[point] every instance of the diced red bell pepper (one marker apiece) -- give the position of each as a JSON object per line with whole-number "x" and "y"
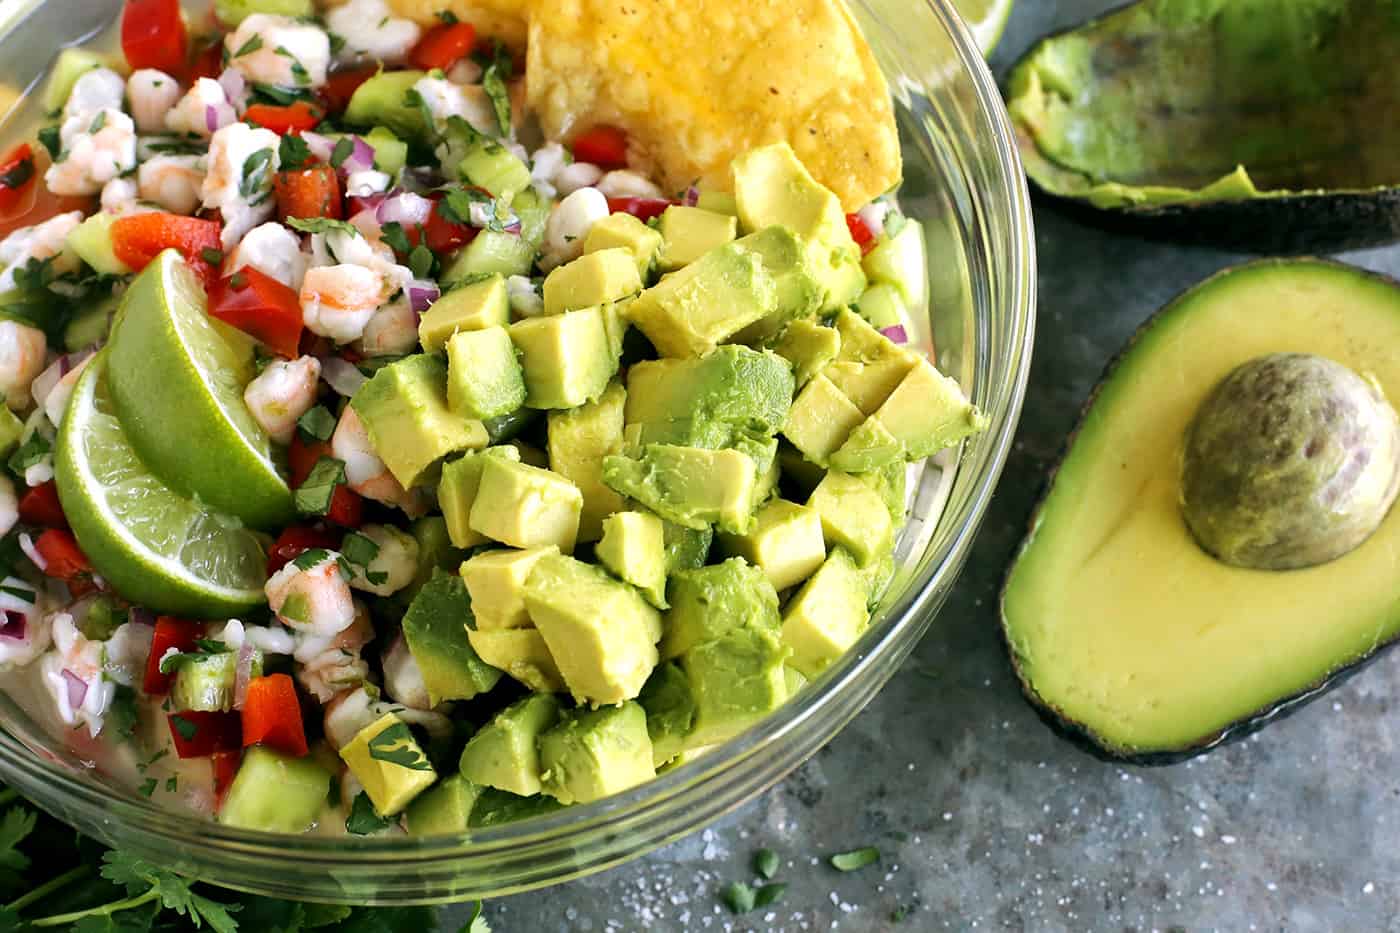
{"x": 296, "y": 540}
{"x": 643, "y": 209}
{"x": 208, "y": 61}
{"x": 63, "y": 559}
{"x": 200, "y": 733}
{"x": 154, "y": 36}
{"x": 443, "y": 46}
{"x": 261, "y": 306}
{"x": 443, "y": 235}
{"x": 170, "y": 633}
{"x": 40, "y": 506}
{"x": 861, "y": 233}
{"x": 16, "y": 175}
{"x": 308, "y": 192}
{"x": 605, "y": 146}
{"x": 272, "y": 715}
{"x": 342, "y": 85}
{"x": 225, "y": 765}
{"x": 347, "y": 506}
{"x": 139, "y": 238}
{"x": 298, "y": 115}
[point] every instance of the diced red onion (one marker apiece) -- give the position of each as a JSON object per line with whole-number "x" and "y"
{"x": 320, "y": 146}
{"x": 234, "y": 85}
{"x": 341, "y": 375}
{"x": 361, "y": 158}
{"x": 26, "y": 544}
{"x": 77, "y": 689}
{"x": 513, "y": 227}
{"x": 404, "y": 207}
{"x": 243, "y": 672}
{"x": 15, "y": 625}
{"x": 44, "y": 382}
{"x": 895, "y": 334}
{"x": 211, "y": 118}
{"x": 71, "y": 361}
{"x": 141, "y": 616}
{"x": 422, "y": 294}
{"x": 692, "y": 196}
{"x": 370, "y": 203}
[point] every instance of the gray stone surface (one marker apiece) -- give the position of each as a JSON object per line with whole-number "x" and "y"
{"x": 985, "y": 819}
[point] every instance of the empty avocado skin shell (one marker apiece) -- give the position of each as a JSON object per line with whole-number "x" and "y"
{"x": 1079, "y": 734}
{"x": 1120, "y": 121}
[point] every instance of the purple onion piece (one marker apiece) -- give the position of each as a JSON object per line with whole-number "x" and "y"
{"x": 77, "y": 689}
{"x": 692, "y": 196}
{"x": 319, "y": 146}
{"x": 421, "y": 295}
{"x": 234, "y": 85}
{"x": 211, "y": 118}
{"x": 361, "y": 158}
{"x": 513, "y": 228}
{"x": 15, "y": 626}
{"x": 242, "y": 673}
{"x": 404, "y": 207}
{"x": 895, "y": 334}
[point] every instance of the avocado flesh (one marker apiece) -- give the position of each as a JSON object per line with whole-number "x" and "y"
{"x": 1121, "y": 627}
{"x": 1171, "y": 103}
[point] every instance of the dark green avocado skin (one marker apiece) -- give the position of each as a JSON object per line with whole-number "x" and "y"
{"x": 1074, "y": 732}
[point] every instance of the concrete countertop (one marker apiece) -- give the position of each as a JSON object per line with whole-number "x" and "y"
{"x": 984, "y": 818}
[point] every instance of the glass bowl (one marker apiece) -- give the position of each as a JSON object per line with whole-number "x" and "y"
{"x": 964, "y": 181}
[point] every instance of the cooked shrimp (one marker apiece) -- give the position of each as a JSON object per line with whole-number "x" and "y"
{"x": 151, "y": 94}
{"x": 56, "y": 402}
{"x": 172, "y": 181}
{"x": 274, "y": 251}
{"x": 125, "y": 653}
{"x": 327, "y": 666}
{"x": 394, "y": 565}
{"x": 350, "y": 711}
{"x": 621, "y": 183}
{"x": 204, "y": 110}
{"x": 393, "y": 330}
{"x": 314, "y": 600}
{"x": 371, "y": 33}
{"x": 524, "y": 296}
{"x": 365, "y": 473}
{"x": 338, "y": 301}
{"x": 576, "y": 175}
{"x": 281, "y": 394}
{"x": 22, "y": 357}
{"x": 95, "y": 90}
{"x": 468, "y": 101}
{"x": 73, "y": 675}
{"x": 99, "y": 148}
{"x": 403, "y": 678}
{"x": 569, "y": 223}
{"x": 238, "y": 178}
{"x": 277, "y": 50}
{"x": 24, "y": 634}
{"x": 47, "y": 240}
{"x": 119, "y": 195}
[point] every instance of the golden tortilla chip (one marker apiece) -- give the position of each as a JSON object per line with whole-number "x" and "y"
{"x": 498, "y": 19}
{"x": 697, "y": 82}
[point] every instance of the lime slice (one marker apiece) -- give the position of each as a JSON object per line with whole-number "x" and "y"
{"x": 986, "y": 19}
{"x": 177, "y": 383}
{"x": 157, "y": 547}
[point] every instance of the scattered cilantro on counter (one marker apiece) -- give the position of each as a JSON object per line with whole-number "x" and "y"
{"x": 855, "y": 859}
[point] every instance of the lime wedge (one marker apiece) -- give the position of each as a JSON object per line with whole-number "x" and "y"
{"x": 986, "y": 19}
{"x": 177, "y": 384}
{"x": 158, "y": 548}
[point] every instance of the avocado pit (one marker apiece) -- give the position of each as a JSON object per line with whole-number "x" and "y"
{"x": 1292, "y": 461}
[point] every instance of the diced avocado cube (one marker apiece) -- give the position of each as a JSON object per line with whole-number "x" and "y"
{"x": 689, "y": 485}
{"x": 869, "y": 366}
{"x": 925, "y": 413}
{"x": 633, "y": 547}
{"x": 596, "y": 278}
{"x": 795, "y": 679}
{"x": 709, "y": 601}
{"x": 688, "y": 233}
{"x": 890, "y": 481}
{"x": 404, "y": 409}
{"x": 92, "y": 241}
{"x": 521, "y": 653}
{"x": 207, "y": 683}
{"x": 733, "y": 385}
{"x": 877, "y": 577}
{"x": 457, "y": 493}
{"x": 504, "y": 753}
{"x": 444, "y": 810}
{"x": 601, "y": 632}
{"x": 820, "y": 420}
{"x": 853, "y": 516}
{"x": 592, "y": 754}
{"x": 579, "y": 439}
{"x": 275, "y": 792}
{"x": 686, "y": 548}
{"x": 232, "y": 12}
{"x": 736, "y": 680}
{"x": 882, "y": 306}
{"x": 483, "y": 376}
{"x": 495, "y": 581}
{"x": 670, "y": 709}
{"x": 623, "y": 231}
{"x": 567, "y": 358}
{"x": 498, "y": 807}
{"x": 899, "y": 261}
{"x": 809, "y": 347}
{"x": 387, "y": 760}
{"x": 492, "y": 252}
{"x": 615, "y": 323}
{"x": 476, "y": 306}
{"x": 827, "y": 615}
{"x": 11, "y": 430}
{"x": 71, "y": 65}
{"x": 525, "y": 506}
{"x": 702, "y": 305}
{"x": 381, "y": 101}
{"x": 785, "y": 542}
{"x": 491, "y": 166}
{"x": 435, "y": 552}
{"x": 436, "y": 631}
{"x": 721, "y": 202}
{"x": 786, "y": 258}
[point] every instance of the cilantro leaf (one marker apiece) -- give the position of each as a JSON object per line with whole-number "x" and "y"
{"x": 456, "y": 204}
{"x": 255, "y": 175}
{"x": 313, "y": 497}
{"x": 738, "y": 897}
{"x": 122, "y": 715}
{"x": 765, "y": 863}
{"x": 249, "y": 47}
{"x": 358, "y": 549}
{"x": 447, "y": 16}
{"x": 396, "y": 746}
{"x": 420, "y": 262}
{"x": 310, "y": 558}
{"x": 317, "y": 424}
{"x": 344, "y": 148}
{"x": 855, "y": 859}
{"x": 768, "y": 894}
{"x": 322, "y": 225}
{"x": 364, "y": 820}
{"x": 15, "y": 826}
{"x": 50, "y": 139}
{"x": 495, "y": 87}
{"x": 187, "y": 729}
{"x": 293, "y": 151}
{"x": 477, "y": 923}
{"x": 174, "y": 892}
{"x": 36, "y": 448}
{"x": 393, "y": 234}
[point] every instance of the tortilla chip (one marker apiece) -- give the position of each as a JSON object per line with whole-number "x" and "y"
{"x": 498, "y": 19}
{"x": 697, "y": 82}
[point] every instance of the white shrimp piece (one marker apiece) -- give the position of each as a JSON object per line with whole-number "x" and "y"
{"x": 365, "y": 473}
{"x": 47, "y": 240}
{"x": 24, "y": 634}
{"x": 56, "y": 402}
{"x": 125, "y": 657}
{"x": 349, "y": 712}
{"x": 393, "y": 330}
{"x": 172, "y": 181}
{"x": 569, "y": 223}
{"x": 315, "y": 600}
{"x": 22, "y": 357}
{"x": 73, "y": 675}
{"x": 576, "y": 175}
{"x": 9, "y": 506}
{"x": 204, "y": 110}
{"x": 119, "y": 196}
{"x": 403, "y": 678}
{"x": 621, "y": 183}
{"x": 282, "y": 393}
{"x": 371, "y": 33}
{"x": 237, "y": 163}
{"x": 367, "y": 183}
{"x": 39, "y": 472}
{"x": 525, "y": 298}
{"x": 103, "y": 148}
{"x": 277, "y": 50}
{"x": 393, "y": 567}
{"x": 269, "y": 640}
{"x": 329, "y": 665}
{"x": 338, "y": 301}
{"x": 470, "y": 102}
{"x": 547, "y": 161}
{"x": 274, "y": 251}
{"x": 94, "y": 91}
{"x": 465, "y": 71}
{"x": 151, "y": 94}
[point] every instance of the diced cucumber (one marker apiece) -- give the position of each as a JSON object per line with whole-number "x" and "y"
{"x": 72, "y": 64}
{"x": 390, "y": 152}
{"x": 492, "y": 252}
{"x": 533, "y": 212}
{"x": 381, "y": 101}
{"x": 233, "y": 12}
{"x": 446, "y": 808}
{"x": 90, "y": 325}
{"x": 899, "y": 261}
{"x": 92, "y": 241}
{"x": 275, "y": 792}
{"x": 882, "y": 305}
{"x": 492, "y": 166}
{"x": 206, "y": 684}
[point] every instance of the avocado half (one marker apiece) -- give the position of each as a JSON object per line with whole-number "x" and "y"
{"x": 1257, "y": 124}
{"x": 1124, "y": 632}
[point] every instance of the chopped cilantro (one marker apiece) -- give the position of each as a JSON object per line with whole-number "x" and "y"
{"x": 293, "y": 151}
{"x": 765, "y": 863}
{"x": 148, "y": 787}
{"x": 344, "y": 148}
{"x": 172, "y": 784}
{"x": 317, "y": 424}
{"x": 183, "y": 726}
{"x": 337, "y": 43}
{"x": 447, "y": 16}
{"x": 17, "y": 176}
{"x": 249, "y": 47}
{"x": 322, "y": 225}
{"x": 313, "y": 496}
{"x": 358, "y": 549}
{"x": 420, "y": 262}
{"x": 98, "y": 122}
{"x": 393, "y": 234}
{"x": 396, "y": 746}
{"x": 310, "y": 558}
{"x": 740, "y": 898}
{"x": 456, "y": 204}
{"x": 214, "y": 257}
{"x": 493, "y": 83}
{"x": 33, "y": 450}
{"x": 51, "y": 141}
{"x": 364, "y": 819}
{"x": 855, "y": 859}
{"x": 256, "y": 169}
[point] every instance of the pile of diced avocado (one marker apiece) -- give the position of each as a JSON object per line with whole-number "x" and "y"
{"x": 710, "y": 523}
